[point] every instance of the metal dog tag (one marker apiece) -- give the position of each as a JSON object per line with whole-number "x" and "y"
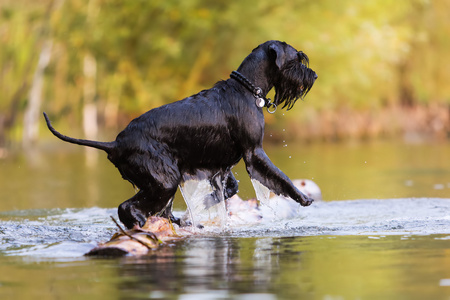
{"x": 260, "y": 102}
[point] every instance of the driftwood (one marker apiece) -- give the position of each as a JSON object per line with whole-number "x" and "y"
{"x": 138, "y": 242}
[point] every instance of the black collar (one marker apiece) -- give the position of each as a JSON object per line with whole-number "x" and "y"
{"x": 257, "y": 92}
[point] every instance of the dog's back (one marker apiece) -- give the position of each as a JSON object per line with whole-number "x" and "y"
{"x": 201, "y": 131}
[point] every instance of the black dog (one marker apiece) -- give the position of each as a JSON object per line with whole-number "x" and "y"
{"x": 205, "y": 135}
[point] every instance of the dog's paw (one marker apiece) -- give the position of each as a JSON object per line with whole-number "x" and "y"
{"x": 306, "y": 201}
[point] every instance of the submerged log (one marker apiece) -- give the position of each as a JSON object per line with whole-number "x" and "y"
{"x": 138, "y": 242}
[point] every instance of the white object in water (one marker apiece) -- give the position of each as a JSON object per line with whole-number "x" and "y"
{"x": 309, "y": 188}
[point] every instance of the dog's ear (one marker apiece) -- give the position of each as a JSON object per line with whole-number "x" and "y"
{"x": 276, "y": 52}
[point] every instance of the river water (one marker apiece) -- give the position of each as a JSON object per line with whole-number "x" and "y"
{"x": 382, "y": 231}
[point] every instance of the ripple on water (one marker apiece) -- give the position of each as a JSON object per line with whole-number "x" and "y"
{"x": 69, "y": 233}
{"x": 54, "y": 233}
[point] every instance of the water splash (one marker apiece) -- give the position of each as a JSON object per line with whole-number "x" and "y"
{"x": 261, "y": 191}
{"x": 66, "y": 234}
{"x": 204, "y": 205}
{"x": 268, "y": 208}
{"x": 55, "y": 233}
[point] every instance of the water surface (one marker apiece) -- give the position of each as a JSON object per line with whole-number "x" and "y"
{"x": 383, "y": 231}
{"x": 60, "y": 175}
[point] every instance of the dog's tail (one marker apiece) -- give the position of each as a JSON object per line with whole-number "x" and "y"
{"x": 108, "y": 147}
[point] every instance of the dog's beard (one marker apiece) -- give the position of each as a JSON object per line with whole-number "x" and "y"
{"x": 293, "y": 83}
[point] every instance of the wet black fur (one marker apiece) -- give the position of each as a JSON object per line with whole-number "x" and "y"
{"x": 205, "y": 135}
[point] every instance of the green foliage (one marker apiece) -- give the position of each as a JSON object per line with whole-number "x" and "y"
{"x": 366, "y": 53}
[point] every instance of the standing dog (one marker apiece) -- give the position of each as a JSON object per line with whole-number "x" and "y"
{"x": 205, "y": 135}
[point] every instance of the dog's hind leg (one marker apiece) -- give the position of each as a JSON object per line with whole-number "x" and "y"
{"x": 157, "y": 177}
{"x": 144, "y": 204}
{"x": 130, "y": 213}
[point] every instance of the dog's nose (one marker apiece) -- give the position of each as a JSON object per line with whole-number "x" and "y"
{"x": 315, "y": 76}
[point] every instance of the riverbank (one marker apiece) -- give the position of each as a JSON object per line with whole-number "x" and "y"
{"x": 417, "y": 123}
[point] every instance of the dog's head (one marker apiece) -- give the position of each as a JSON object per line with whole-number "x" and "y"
{"x": 289, "y": 71}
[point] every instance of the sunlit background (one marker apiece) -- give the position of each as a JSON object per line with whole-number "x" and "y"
{"x": 92, "y": 65}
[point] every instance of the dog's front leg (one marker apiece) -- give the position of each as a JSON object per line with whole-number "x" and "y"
{"x": 263, "y": 170}
{"x": 231, "y": 186}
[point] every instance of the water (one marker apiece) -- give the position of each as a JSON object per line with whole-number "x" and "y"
{"x": 366, "y": 249}
{"x": 202, "y": 204}
{"x": 262, "y": 193}
{"x": 368, "y": 240}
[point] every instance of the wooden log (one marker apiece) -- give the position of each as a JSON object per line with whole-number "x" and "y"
{"x": 138, "y": 242}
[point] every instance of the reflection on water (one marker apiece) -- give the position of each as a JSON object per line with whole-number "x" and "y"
{"x": 295, "y": 268}
{"x": 315, "y": 267}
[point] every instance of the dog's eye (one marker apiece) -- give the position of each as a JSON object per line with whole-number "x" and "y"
{"x": 301, "y": 88}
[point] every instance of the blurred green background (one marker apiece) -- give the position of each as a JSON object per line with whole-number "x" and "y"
{"x": 96, "y": 64}
{"x": 93, "y": 65}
